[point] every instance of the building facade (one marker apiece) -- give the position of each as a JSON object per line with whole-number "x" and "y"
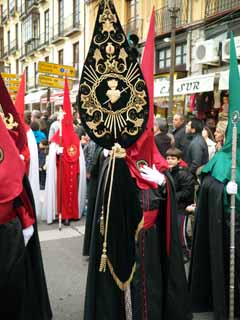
{"x": 60, "y": 31}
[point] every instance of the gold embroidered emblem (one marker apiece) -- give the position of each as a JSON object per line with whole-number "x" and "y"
{"x": 72, "y": 150}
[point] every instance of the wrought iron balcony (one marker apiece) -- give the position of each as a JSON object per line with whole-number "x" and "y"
{"x": 44, "y": 41}
{"x": 134, "y": 26}
{"x": 58, "y": 32}
{"x": 163, "y": 18}
{"x": 4, "y": 16}
{"x": 6, "y": 52}
{"x": 72, "y": 24}
{"x": 214, "y": 7}
{"x": 13, "y": 47}
{"x": 31, "y": 47}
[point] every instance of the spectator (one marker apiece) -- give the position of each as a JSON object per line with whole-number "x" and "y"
{"x": 197, "y": 153}
{"x": 53, "y": 129}
{"x": 220, "y": 134}
{"x": 188, "y": 139}
{"x": 211, "y": 124}
{"x": 208, "y": 136}
{"x": 89, "y": 150}
{"x": 184, "y": 185}
{"x": 39, "y": 135}
{"x": 36, "y": 115}
{"x": 179, "y": 131}
{"x": 27, "y": 117}
{"x": 42, "y": 153}
{"x": 162, "y": 139}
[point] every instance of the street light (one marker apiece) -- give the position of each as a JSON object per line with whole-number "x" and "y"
{"x": 173, "y": 10}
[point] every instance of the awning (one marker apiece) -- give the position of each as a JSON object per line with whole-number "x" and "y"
{"x": 34, "y": 97}
{"x": 189, "y": 85}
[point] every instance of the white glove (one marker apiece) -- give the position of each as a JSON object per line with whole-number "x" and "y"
{"x": 153, "y": 175}
{"x": 22, "y": 157}
{"x": 106, "y": 152}
{"x": 232, "y": 188}
{"x": 27, "y": 234}
{"x": 59, "y": 150}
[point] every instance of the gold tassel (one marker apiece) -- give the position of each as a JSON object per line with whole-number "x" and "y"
{"x": 102, "y": 223}
{"x": 103, "y": 263}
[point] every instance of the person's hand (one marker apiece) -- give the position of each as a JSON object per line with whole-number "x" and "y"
{"x": 232, "y": 188}
{"x": 153, "y": 175}
{"x": 191, "y": 208}
{"x": 27, "y": 234}
{"x": 59, "y": 150}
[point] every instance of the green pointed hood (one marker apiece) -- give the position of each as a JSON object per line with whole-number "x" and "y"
{"x": 220, "y": 165}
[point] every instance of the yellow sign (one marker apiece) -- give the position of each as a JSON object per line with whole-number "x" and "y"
{"x": 9, "y": 75}
{"x": 53, "y": 82}
{"x": 61, "y": 70}
{"x": 14, "y": 82}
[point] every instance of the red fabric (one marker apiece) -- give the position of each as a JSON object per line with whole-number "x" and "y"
{"x": 26, "y": 153}
{"x": 183, "y": 164}
{"x": 25, "y": 212}
{"x": 70, "y": 161}
{"x": 8, "y": 108}
{"x": 150, "y": 218}
{"x": 145, "y": 148}
{"x": 11, "y": 167}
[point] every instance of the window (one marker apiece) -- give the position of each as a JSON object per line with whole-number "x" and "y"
{"x": 76, "y": 57}
{"x": 46, "y": 26}
{"x": 60, "y": 17}
{"x": 27, "y": 77}
{"x": 60, "y": 56}
{"x": 164, "y": 56}
{"x": 16, "y": 32}
{"x": 76, "y": 12}
{"x": 17, "y": 66}
{"x": 30, "y": 28}
{"x": 133, "y": 10}
{"x": 8, "y": 36}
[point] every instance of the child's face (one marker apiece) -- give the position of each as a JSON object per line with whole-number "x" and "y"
{"x": 172, "y": 161}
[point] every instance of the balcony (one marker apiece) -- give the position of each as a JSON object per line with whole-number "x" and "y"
{"x": 163, "y": 18}
{"x": 31, "y": 5}
{"x": 58, "y": 33}
{"x": 72, "y": 24}
{"x": 134, "y": 26}
{"x": 31, "y": 47}
{"x": 6, "y": 52}
{"x": 13, "y": 47}
{"x": 12, "y": 8}
{"x": 4, "y": 16}
{"x": 215, "y": 7}
{"x": 44, "y": 41}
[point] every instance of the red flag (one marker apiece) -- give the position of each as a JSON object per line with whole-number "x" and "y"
{"x": 19, "y": 103}
{"x": 145, "y": 151}
{"x": 18, "y": 133}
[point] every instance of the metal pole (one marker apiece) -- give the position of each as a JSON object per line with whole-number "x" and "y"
{"x": 173, "y": 15}
{"x": 235, "y": 120}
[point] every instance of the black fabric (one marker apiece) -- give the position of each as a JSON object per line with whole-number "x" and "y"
{"x": 184, "y": 183}
{"x": 113, "y": 98}
{"x": 163, "y": 142}
{"x": 187, "y": 141}
{"x": 158, "y": 288}
{"x": 197, "y": 154}
{"x": 180, "y": 136}
{"x": 23, "y": 291}
{"x": 92, "y": 194}
{"x": 208, "y": 279}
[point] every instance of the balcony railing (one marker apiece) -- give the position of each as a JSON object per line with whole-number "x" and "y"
{"x": 58, "y": 32}
{"x": 4, "y": 16}
{"x": 134, "y": 26}
{"x": 6, "y": 52}
{"x": 214, "y": 7}
{"x": 44, "y": 40}
{"x": 13, "y": 47}
{"x": 71, "y": 24}
{"x": 163, "y": 17}
{"x": 31, "y": 46}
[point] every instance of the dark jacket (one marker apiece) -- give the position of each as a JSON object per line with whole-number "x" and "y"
{"x": 197, "y": 154}
{"x": 163, "y": 142}
{"x": 184, "y": 183}
{"x": 179, "y": 136}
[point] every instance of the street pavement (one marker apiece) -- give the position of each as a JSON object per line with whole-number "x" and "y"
{"x": 66, "y": 270}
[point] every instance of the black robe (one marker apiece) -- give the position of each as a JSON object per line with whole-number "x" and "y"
{"x": 158, "y": 287}
{"x": 23, "y": 290}
{"x": 209, "y": 269}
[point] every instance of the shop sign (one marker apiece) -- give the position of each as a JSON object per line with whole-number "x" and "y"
{"x": 57, "y": 69}
{"x": 53, "y": 82}
{"x": 190, "y": 85}
{"x": 9, "y": 76}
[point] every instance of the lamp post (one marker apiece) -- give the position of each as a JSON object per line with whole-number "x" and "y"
{"x": 173, "y": 10}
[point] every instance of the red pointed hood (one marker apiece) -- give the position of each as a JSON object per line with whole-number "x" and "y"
{"x": 70, "y": 140}
{"x": 12, "y": 168}
{"x": 18, "y": 133}
{"x": 145, "y": 151}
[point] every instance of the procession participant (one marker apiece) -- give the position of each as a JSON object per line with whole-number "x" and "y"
{"x": 209, "y": 270}
{"x": 23, "y": 291}
{"x": 135, "y": 268}
{"x": 66, "y": 170}
{"x": 32, "y": 158}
